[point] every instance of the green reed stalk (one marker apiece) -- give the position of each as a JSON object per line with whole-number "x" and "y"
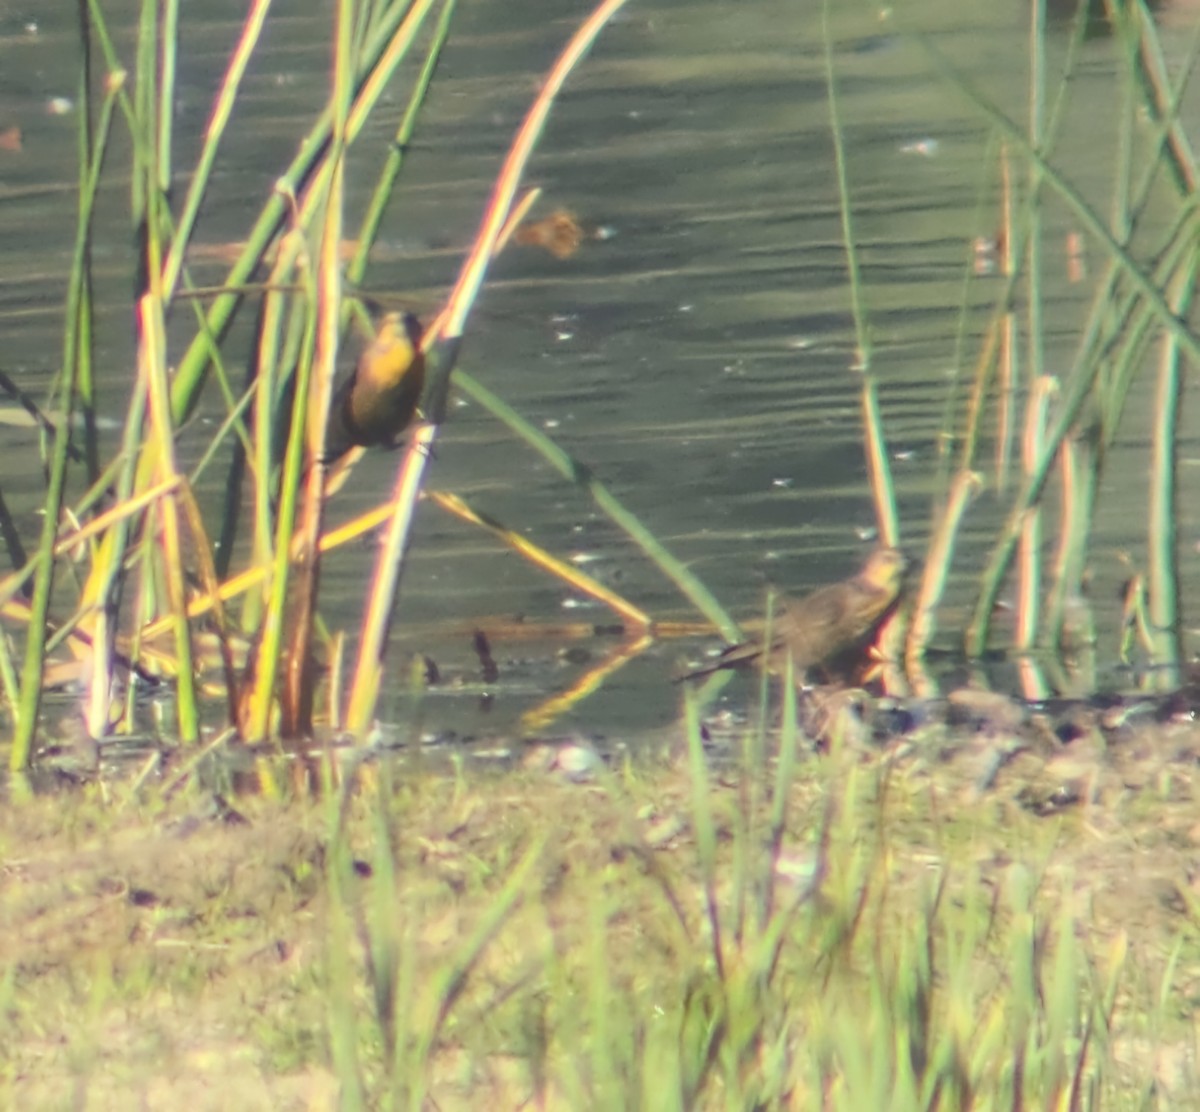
{"x": 152, "y": 362}
{"x": 1149, "y": 70}
{"x": 116, "y": 72}
{"x": 1033, "y": 211}
{"x": 862, "y": 328}
{"x": 1123, "y": 171}
{"x": 165, "y": 87}
{"x": 145, "y": 170}
{"x": 155, "y": 96}
{"x": 946, "y": 433}
{"x": 1039, "y": 388}
{"x": 575, "y": 471}
{"x": 200, "y": 177}
{"x": 410, "y": 479}
{"x": 161, "y": 544}
{"x": 876, "y": 442}
{"x": 26, "y": 710}
{"x": 1079, "y": 384}
{"x": 99, "y": 591}
{"x": 705, "y": 828}
{"x": 1117, "y": 375}
{"x": 108, "y": 558}
{"x": 386, "y": 51}
{"x": 1030, "y": 587}
{"x": 1162, "y": 537}
{"x": 297, "y": 702}
{"x": 342, "y": 1019}
{"x": 268, "y": 400}
{"x": 96, "y": 712}
{"x": 1008, "y": 352}
{"x": 1078, "y": 486}
{"x": 987, "y": 363}
{"x": 878, "y": 468}
{"x": 274, "y": 549}
{"x": 1119, "y": 262}
{"x": 1016, "y": 232}
{"x": 1140, "y": 326}
{"x": 382, "y": 194}
{"x": 279, "y": 313}
{"x": 450, "y": 980}
{"x": 751, "y": 781}
{"x": 1132, "y": 330}
{"x": 785, "y": 768}
{"x": 85, "y": 384}
{"x": 10, "y": 682}
{"x": 201, "y": 553}
{"x": 1113, "y": 320}
{"x": 372, "y": 641}
{"x": 923, "y": 615}
{"x": 366, "y": 15}
{"x": 1086, "y": 215}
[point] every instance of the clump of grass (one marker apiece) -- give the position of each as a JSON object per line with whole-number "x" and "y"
{"x": 787, "y": 930}
{"x": 787, "y": 942}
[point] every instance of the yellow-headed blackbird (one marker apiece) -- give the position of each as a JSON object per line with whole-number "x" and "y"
{"x": 829, "y": 628}
{"x": 377, "y": 402}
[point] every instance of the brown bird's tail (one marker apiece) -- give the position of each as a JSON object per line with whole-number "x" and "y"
{"x": 732, "y": 656}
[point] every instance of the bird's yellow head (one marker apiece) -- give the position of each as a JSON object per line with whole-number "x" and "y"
{"x": 885, "y": 569}
{"x": 393, "y": 353}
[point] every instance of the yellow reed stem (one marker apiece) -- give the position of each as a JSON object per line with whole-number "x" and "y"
{"x": 153, "y": 370}
{"x": 1029, "y": 555}
{"x": 542, "y": 559}
{"x": 923, "y": 616}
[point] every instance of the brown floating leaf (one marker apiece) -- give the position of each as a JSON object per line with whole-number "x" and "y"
{"x": 10, "y": 139}
{"x": 559, "y": 233}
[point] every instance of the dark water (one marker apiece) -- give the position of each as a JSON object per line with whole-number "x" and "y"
{"x": 699, "y": 359}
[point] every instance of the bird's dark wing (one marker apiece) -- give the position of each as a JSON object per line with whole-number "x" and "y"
{"x": 339, "y": 435}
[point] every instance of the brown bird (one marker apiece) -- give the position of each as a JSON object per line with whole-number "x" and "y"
{"x": 377, "y": 402}
{"x": 830, "y": 628}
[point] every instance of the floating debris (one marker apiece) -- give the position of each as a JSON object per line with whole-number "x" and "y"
{"x": 927, "y": 148}
{"x": 560, "y": 233}
{"x": 988, "y": 255}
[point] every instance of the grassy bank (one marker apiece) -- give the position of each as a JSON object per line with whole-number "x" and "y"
{"x": 866, "y": 933}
